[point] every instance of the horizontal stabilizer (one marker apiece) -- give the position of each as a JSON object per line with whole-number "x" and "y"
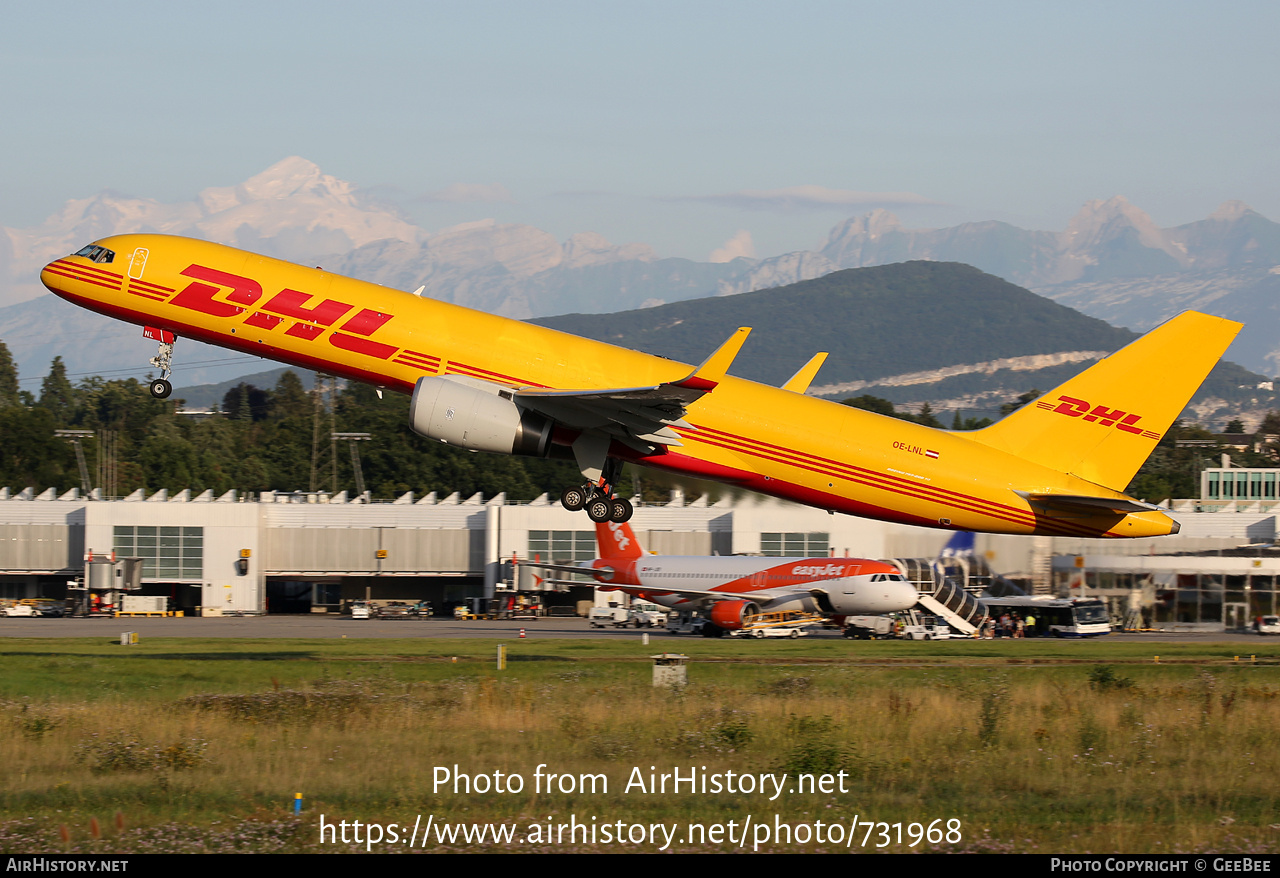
{"x": 1088, "y": 504}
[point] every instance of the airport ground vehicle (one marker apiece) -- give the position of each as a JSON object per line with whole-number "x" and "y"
{"x": 1053, "y": 617}
{"x": 47, "y": 607}
{"x": 646, "y": 614}
{"x": 602, "y": 617}
{"x": 361, "y": 610}
{"x": 1268, "y": 625}
{"x": 868, "y": 627}
{"x": 791, "y": 625}
{"x": 923, "y": 626}
{"x": 1057, "y": 466}
{"x": 395, "y": 610}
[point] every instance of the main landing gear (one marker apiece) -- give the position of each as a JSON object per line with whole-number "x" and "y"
{"x": 597, "y": 497}
{"x": 163, "y": 360}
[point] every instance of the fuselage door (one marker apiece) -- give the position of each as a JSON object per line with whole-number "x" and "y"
{"x": 138, "y": 263}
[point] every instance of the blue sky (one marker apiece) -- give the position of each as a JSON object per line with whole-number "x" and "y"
{"x": 649, "y": 121}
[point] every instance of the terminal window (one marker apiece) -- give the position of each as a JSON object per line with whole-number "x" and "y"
{"x": 562, "y": 545}
{"x": 166, "y": 552}
{"x": 794, "y": 545}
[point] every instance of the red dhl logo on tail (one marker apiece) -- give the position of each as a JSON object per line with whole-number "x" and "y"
{"x": 1079, "y": 408}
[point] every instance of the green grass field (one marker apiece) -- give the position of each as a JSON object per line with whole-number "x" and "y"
{"x": 1032, "y": 746}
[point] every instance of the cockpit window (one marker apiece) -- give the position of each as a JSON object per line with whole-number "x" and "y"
{"x": 96, "y": 253}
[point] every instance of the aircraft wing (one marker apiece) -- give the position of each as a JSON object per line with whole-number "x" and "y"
{"x": 702, "y": 595}
{"x": 641, "y": 417}
{"x": 563, "y": 568}
{"x": 687, "y": 592}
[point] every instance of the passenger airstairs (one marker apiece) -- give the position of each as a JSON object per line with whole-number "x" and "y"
{"x": 965, "y": 618}
{"x": 942, "y": 596}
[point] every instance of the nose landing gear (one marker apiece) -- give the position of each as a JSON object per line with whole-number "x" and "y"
{"x": 163, "y": 360}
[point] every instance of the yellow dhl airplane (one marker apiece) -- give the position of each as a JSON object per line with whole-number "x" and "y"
{"x": 487, "y": 383}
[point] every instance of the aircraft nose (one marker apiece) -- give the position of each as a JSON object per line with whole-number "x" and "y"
{"x": 901, "y": 596}
{"x": 49, "y": 277}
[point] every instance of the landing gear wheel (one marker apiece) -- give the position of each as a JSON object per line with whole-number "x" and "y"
{"x": 621, "y": 510}
{"x": 599, "y": 509}
{"x": 161, "y": 389}
{"x": 573, "y": 499}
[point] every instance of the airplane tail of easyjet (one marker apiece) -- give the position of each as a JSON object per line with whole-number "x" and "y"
{"x": 617, "y": 542}
{"x": 1103, "y": 424}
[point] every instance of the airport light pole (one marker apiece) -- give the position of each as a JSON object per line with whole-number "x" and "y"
{"x": 352, "y": 439}
{"x": 75, "y": 436}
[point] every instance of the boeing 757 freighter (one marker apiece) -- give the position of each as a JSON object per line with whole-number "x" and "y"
{"x": 488, "y": 383}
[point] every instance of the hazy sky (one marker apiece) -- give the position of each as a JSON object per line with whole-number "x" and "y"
{"x": 676, "y": 124}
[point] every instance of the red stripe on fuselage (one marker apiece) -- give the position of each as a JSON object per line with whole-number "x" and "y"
{"x": 89, "y": 269}
{"x": 870, "y": 478}
{"x": 83, "y": 278}
{"x": 133, "y": 281}
{"x": 477, "y": 372}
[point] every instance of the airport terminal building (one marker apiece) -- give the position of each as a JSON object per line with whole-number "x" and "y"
{"x": 299, "y": 552}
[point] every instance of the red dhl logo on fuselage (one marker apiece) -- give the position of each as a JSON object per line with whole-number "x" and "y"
{"x": 205, "y": 295}
{"x": 1079, "y": 408}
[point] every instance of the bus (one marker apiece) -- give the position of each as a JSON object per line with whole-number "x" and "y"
{"x": 1054, "y": 617}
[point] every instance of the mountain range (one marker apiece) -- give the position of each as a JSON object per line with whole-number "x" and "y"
{"x": 1111, "y": 262}
{"x": 911, "y": 332}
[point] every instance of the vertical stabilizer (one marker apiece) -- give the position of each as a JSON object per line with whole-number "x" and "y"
{"x": 617, "y": 542}
{"x": 1104, "y": 423}
{"x": 960, "y": 545}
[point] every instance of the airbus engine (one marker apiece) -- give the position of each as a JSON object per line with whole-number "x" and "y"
{"x": 477, "y": 415}
{"x": 731, "y": 615}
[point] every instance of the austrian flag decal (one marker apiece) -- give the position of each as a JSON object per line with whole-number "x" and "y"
{"x": 929, "y": 452}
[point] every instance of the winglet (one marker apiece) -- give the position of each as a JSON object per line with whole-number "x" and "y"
{"x": 714, "y": 367}
{"x": 799, "y": 382}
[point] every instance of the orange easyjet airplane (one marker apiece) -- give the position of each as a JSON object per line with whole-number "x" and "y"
{"x": 731, "y": 588}
{"x": 488, "y": 383}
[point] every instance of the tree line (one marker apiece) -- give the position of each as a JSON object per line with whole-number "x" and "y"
{"x": 263, "y": 440}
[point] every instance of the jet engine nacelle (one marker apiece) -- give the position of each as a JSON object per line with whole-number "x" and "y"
{"x": 730, "y": 615}
{"x": 475, "y": 414}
